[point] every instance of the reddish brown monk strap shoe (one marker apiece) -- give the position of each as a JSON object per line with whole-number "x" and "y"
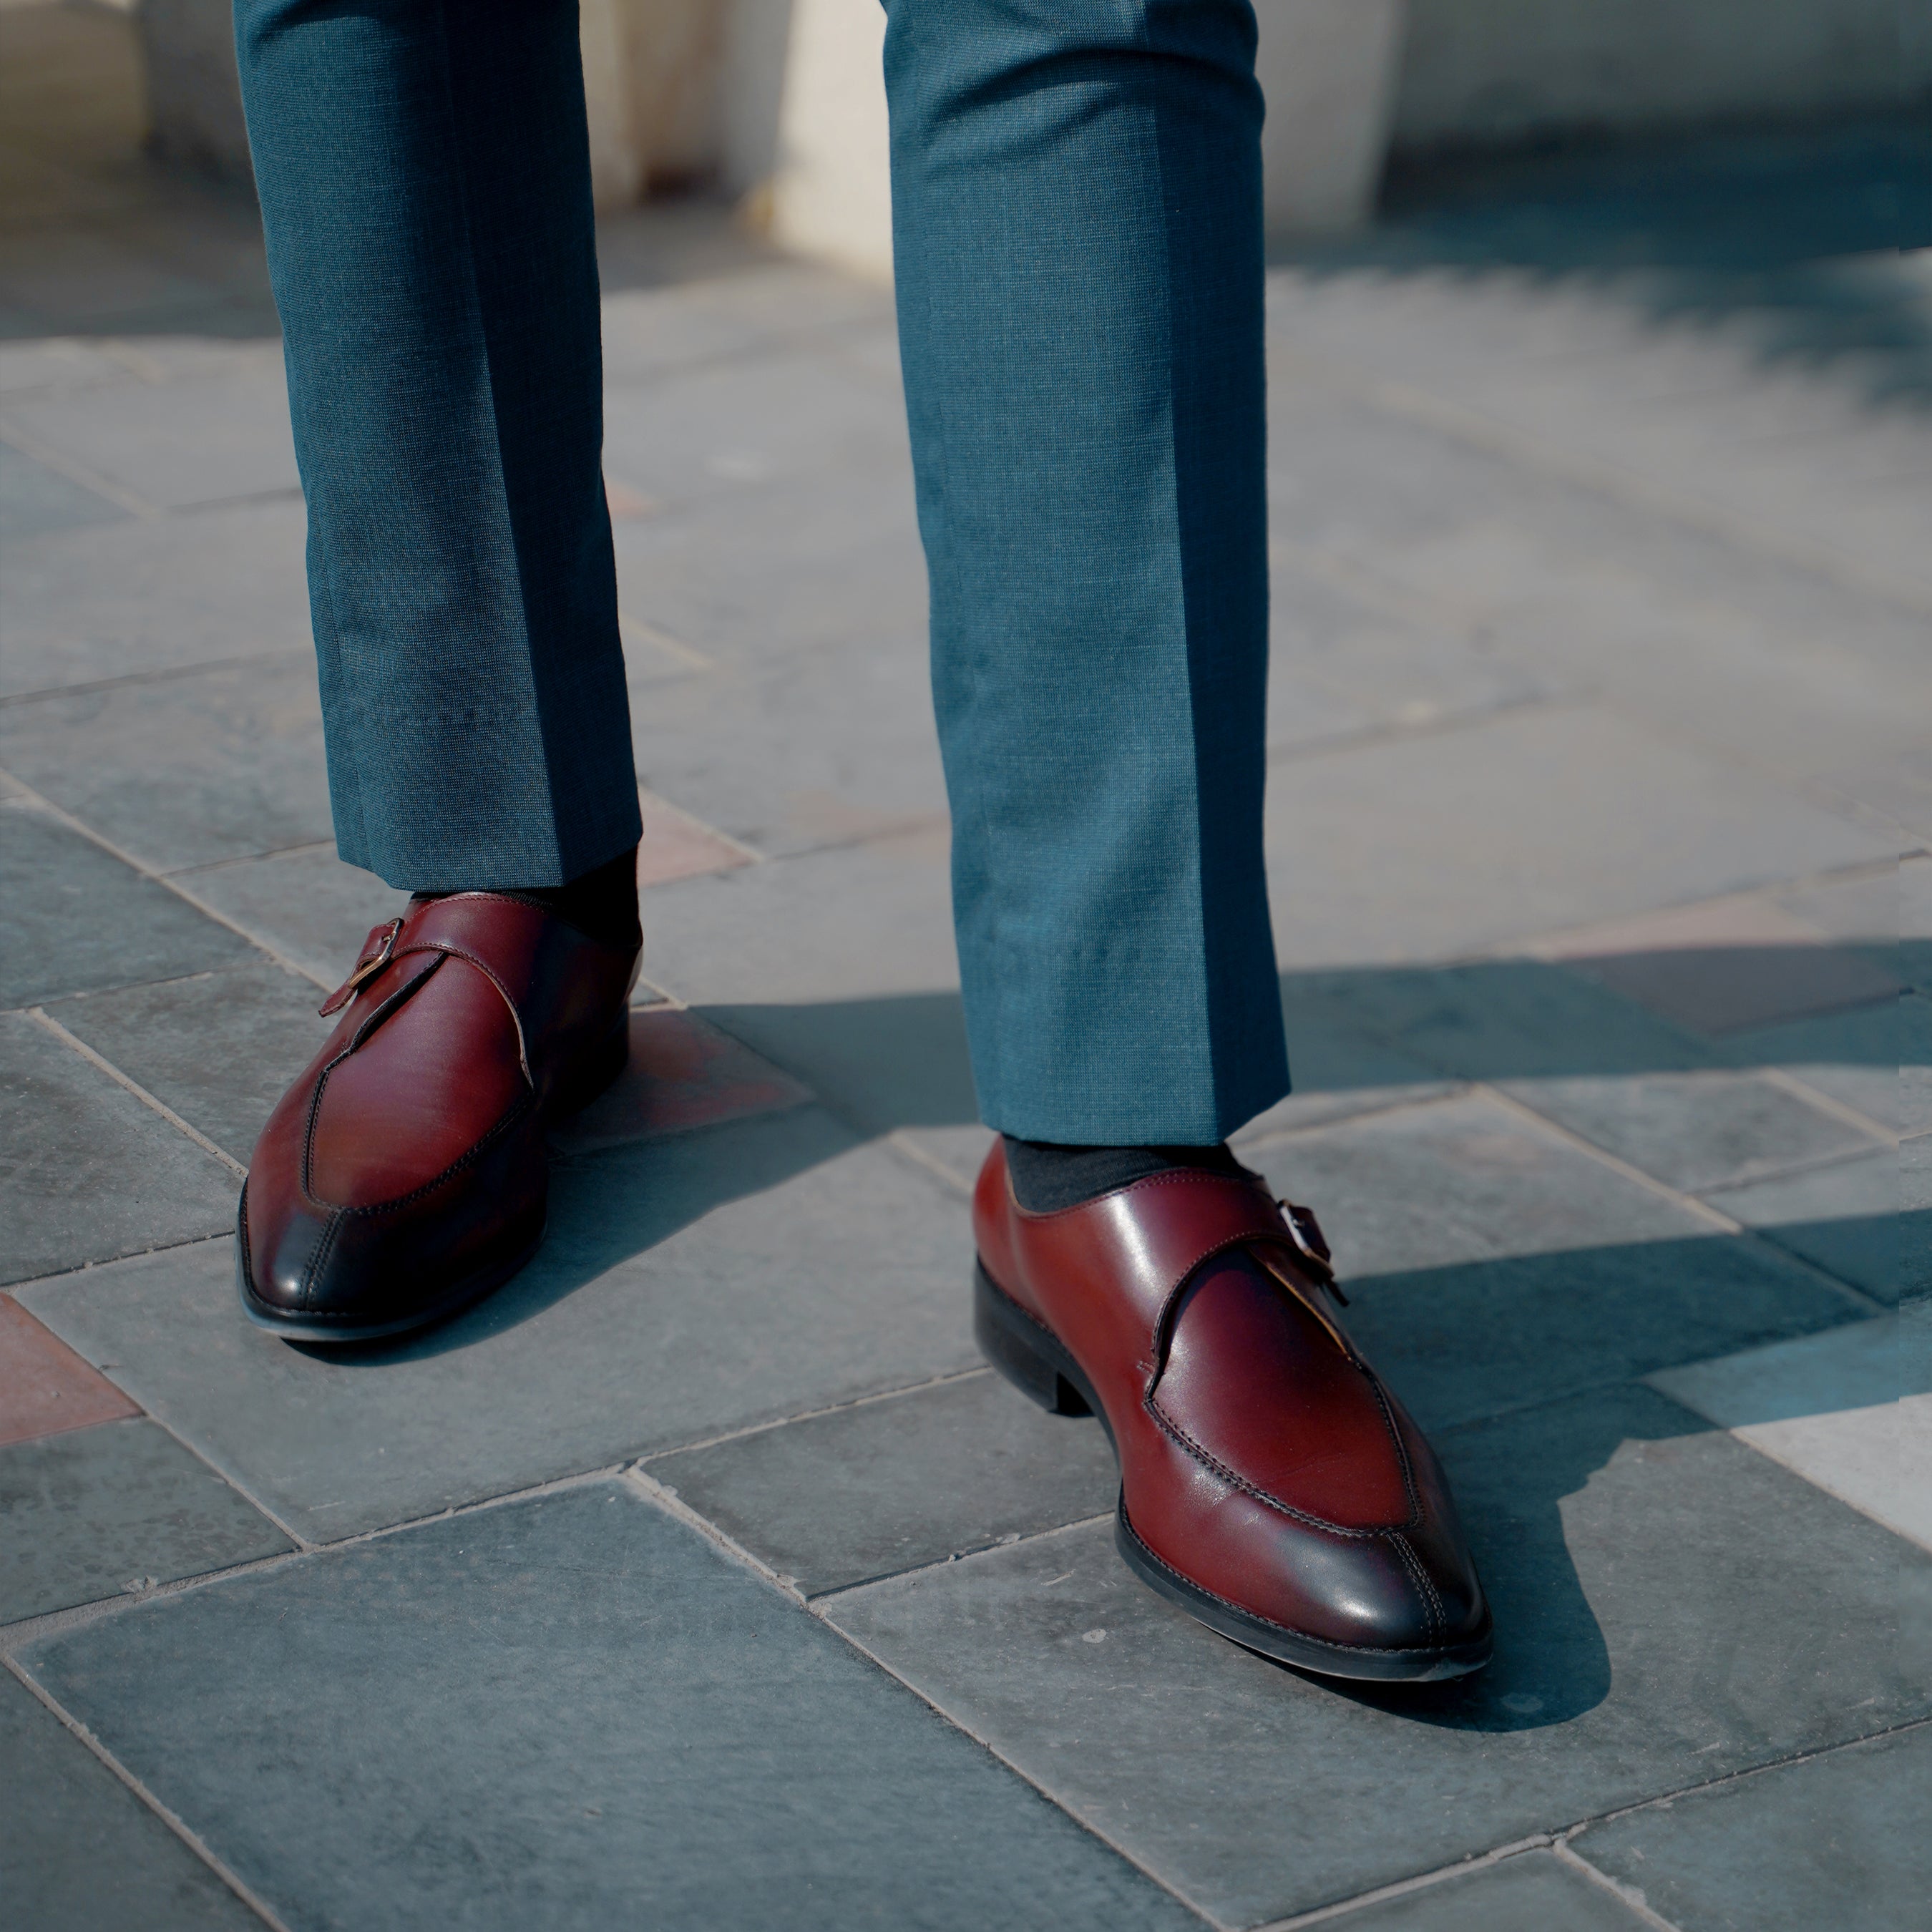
{"x": 403, "y": 1174}
{"x": 1270, "y": 1484}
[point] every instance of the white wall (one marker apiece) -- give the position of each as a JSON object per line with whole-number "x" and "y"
{"x": 1479, "y": 71}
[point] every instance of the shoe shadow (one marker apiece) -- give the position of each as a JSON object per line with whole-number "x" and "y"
{"x": 1521, "y": 1368}
{"x": 1522, "y": 1483}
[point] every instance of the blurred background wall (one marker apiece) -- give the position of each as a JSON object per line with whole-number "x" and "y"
{"x": 779, "y": 102}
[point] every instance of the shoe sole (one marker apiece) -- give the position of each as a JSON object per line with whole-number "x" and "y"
{"x": 1040, "y": 1365}
{"x": 599, "y": 1072}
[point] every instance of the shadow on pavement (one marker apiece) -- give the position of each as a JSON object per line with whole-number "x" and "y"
{"x": 1488, "y": 1353}
{"x": 1787, "y": 230}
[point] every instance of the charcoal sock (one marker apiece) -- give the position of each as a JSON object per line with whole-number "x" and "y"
{"x": 602, "y": 905}
{"x": 1047, "y": 1177}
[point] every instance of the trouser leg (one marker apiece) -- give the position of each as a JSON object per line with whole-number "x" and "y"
{"x": 1076, "y": 191}
{"x": 425, "y": 181}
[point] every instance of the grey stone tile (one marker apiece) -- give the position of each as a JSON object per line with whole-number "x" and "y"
{"x": 35, "y": 500}
{"x": 1645, "y": 1625}
{"x": 1488, "y": 1264}
{"x": 220, "y": 764}
{"x": 896, "y": 1061}
{"x": 1862, "y": 910}
{"x": 205, "y": 439}
{"x": 1696, "y": 1131}
{"x": 646, "y": 1734}
{"x": 95, "y": 282}
{"x": 1445, "y": 322}
{"x": 1897, "y": 786}
{"x": 81, "y": 920}
{"x": 1343, "y": 662}
{"x": 1838, "y": 1840}
{"x": 218, "y": 1048}
{"x": 1339, "y": 1066}
{"x": 87, "y": 1172}
{"x": 836, "y": 965}
{"x": 1843, "y": 1217}
{"x": 687, "y": 1288}
{"x": 795, "y": 413}
{"x": 1727, "y": 965}
{"x": 79, "y": 1850}
{"x": 29, "y": 366}
{"x": 855, "y": 922}
{"x": 1915, "y": 902}
{"x": 1536, "y": 1892}
{"x": 1502, "y": 1020}
{"x": 122, "y": 1506}
{"x": 838, "y": 1499}
{"x": 1914, "y": 1219}
{"x": 681, "y": 1074}
{"x": 960, "y": 1151}
{"x": 1854, "y": 1056}
{"x": 152, "y": 594}
{"x": 307, "y": 906}
{"x": 651, "y": 333}
{"x": 829, "y": 746}
{"x": 1914, "y": 1111}
{"x": 1761, "y": 659}
{"x": 1370, "y": 848}
{"x": 1847, "y": 1410}
{"x": 755, "y": 578}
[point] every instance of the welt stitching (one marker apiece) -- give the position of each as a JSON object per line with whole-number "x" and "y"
{"x": 1401, "y": 1448}
{"x": 242, "y": 1234}
{"x": 1418, "y": 1575}
{"x": 1442, "y": 1615}
{"x": 319, "y": 1256}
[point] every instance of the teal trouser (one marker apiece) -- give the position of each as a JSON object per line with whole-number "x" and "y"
{"x": 1077, "y": 227}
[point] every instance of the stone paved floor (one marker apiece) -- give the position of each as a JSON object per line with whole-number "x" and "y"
{"x": 704, "y": 1578}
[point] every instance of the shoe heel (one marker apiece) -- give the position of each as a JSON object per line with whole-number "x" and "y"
{"x": 598, "y": 1069}
{"x": 1001, "y": 1330}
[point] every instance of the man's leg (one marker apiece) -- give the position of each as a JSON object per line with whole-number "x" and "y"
{"x": 1077, "y": 226}
{"x": 1077, "y": 220}
{"x": 425, "y": 187}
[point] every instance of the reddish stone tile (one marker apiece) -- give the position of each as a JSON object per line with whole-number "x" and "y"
{"x": 676, "y": 846}
{"x": 682, "y": 1074}
{"x": 1724, "y": 965}
{"x": 45, "y": 1387}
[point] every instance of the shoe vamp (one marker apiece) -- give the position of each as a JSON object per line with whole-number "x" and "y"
{"x": 1255, "y": 1381}
{"x": 418, "y": 1093}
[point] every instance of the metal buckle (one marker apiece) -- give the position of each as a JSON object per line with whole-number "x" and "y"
{"x": 366, "y": 967}
{"x": 1306, "y": 1233}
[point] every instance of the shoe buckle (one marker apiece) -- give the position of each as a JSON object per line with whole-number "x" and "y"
{"x": 375, "y": 954}
{"x": 1306, "y": 1233}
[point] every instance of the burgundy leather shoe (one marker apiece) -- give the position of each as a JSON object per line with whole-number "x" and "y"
{"x": 1270, "y": 1484}
{"x": 403, "y": 1174}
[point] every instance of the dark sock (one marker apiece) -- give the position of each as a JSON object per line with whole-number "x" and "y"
{"x": 1047, "y": 1177}
{"x": 602, "y": 905}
